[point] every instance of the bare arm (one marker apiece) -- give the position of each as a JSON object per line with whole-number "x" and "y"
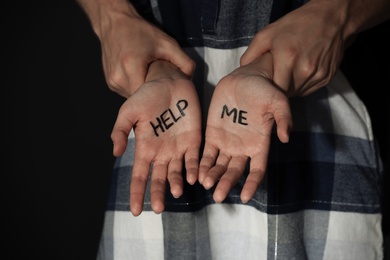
{"x": 130, "y": 44}
{"x": 362, "y": 15}
{"x": 308, "y": 43}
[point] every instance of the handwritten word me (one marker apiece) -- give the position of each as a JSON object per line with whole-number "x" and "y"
{"x": 234, "y": 111}
{"x": 168, "y": 118}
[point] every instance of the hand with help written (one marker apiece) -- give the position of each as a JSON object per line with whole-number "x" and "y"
{"x": 165, "y": 115}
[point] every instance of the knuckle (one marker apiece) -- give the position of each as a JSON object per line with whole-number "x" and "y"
{"x": 191, "y": 65}
{"x": 127, "y": 61}
{"x": 307, "y": 69}
{"x": 115, "y": 80}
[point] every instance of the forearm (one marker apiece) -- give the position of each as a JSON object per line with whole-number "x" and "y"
{"x": 364, "y": 14}
{"x": 101, "y": 12}
{"x": 355, "y": 16}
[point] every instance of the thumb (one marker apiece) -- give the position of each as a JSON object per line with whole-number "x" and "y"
{"x": 256, "y": 48}
{"x": 283, "y": 119}
{"x": 121, "y": 130}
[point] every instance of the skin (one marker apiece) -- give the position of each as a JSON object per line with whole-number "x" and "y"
{"x": 294, "y": 56}
{"x": 229, "y": 145}
{"x": 308, "y": 43}
{"x": 178, "y": 146}
{"x": 309, "y": 61}
{"x": 226, "y": 152}
{"x": 129, "y": 44}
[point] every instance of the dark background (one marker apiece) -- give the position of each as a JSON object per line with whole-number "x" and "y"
{"x": 58, "y": 114}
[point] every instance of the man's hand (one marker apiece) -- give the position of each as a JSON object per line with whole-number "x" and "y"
{"x": 307, "y": 46}
{"x": 165, "y": 115}
{"x": 130, "y": 43}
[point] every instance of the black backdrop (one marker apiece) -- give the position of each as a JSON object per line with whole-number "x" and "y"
{"x": 58, "y": 114}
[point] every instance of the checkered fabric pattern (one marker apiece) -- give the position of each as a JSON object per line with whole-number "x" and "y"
{"x": 321, "y": 196}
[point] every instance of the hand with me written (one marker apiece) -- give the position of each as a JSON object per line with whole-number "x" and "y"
{"x": 244, "y": 107}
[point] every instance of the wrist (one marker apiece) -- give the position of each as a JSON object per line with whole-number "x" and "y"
{"x": 335, "y": 14}
{"x": 355, "y": 16}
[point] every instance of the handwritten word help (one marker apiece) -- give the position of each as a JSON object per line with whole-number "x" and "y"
{"x": 168, "y": 118}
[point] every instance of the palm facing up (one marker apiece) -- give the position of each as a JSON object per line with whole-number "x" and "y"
{"x": 243, "y": 109}
{"x": 165, "y": 115}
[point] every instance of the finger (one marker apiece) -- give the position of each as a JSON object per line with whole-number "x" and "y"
{"x": 303, "y": 73}
{"x": 229, "y": 179}
{"x": 192, "y": 165}
{"x": 112, "y": 84}
{"x": 175, "y": 178}
{"x": 139, "y": 179}
{"x": 320, "y": 80}
{"x": 283, "y": 120}
{"x": 258, "y": 166}
{"x": 209, "y": 156}
{"x": 310, "y": 90}
{"x": 323, "y": 70}
{"x": 158, "y": 186}
{"x": 283, "y": 72}
{"x": 258, "y": 46}
{"x": 120, "y": 132}
{"x": 184, "y": 63}
{"x": 215, "y": 173}
{"x": 179, "y": 58}
{"x": 251, "y": 185}
{"x": 136, "y": 75}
